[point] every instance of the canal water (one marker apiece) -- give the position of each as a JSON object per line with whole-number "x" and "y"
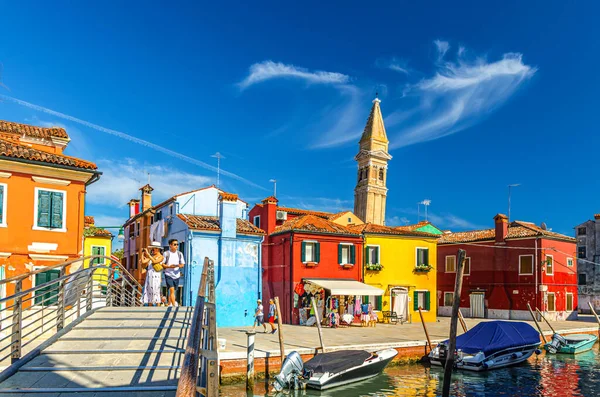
{"x": 544, "y": 375}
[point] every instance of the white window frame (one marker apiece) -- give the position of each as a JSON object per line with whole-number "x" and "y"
{"x": 546, "y": 265}
{"x": 35, "y": 210}
{"x": 570, "y": 262}
{"x": 349, "y": 245}
{"x": 254, "y": 221}
{"x": 468, "y": 258}
{"x": 548, "y": 302}
{"x": 572, "y": 301}
{"x": 315, "y": 242}
{"x": 4, "y": 205}
{"x": 417, "y": 254}
{"x": 451, "y": 294}
{"x": 446, "y": 263}
{"x": 532, "y": 265}
{"x": 378, "y": 251}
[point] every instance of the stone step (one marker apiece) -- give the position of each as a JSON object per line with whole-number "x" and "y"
{"x": 136, "y": 314}
{"x": 121, "y": 332}
{"x": 121, "y": 344}
{"x": 140, "y": 358}
{"x": 133, "y": 324}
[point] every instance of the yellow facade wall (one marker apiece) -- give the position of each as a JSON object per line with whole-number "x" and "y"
{"x": 101, "y": 275}
{"x": 398, "y": 256}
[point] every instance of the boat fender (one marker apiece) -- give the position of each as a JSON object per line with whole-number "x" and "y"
{"x": 514, "y": 356}
{"x": 538, "y": 352}
{"x": 488, "y": 363}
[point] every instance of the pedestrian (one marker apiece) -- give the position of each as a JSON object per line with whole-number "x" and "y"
{"x": 173, "y": 263}
{"x": 152, "y": 262}
{"x": 259, "y": 316}
{"x": 271, "y": 318}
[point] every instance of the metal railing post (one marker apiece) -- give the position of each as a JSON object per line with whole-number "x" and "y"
{"x": 122, "y": 293}
{"x": 133, "y": 296}
{"x": 17, "y": 323}
{"x": 60, "y": 317}
{"x": 109, "y": 287}
{"x": 89, "y": 291}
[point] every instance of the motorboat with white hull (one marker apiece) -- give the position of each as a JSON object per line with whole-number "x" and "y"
{"x": 328, "y": 370}
{"x": 490, "y": 345}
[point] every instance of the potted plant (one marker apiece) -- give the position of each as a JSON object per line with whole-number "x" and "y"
{"x": 423, "y": 268}
{"x": 374, "y": 266}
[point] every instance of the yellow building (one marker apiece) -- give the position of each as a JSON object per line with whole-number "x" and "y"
{"x": 400, "y": 263}
{"x": 96, "y": 242}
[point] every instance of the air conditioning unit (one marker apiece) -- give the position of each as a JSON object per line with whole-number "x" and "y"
{"x": 281, "y": 215}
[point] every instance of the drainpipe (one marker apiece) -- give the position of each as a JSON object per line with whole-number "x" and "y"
{"x": 291, "y": 301}
{"x": 188, "y": 268}
{"x": 260, "y": 268}
{"x": 536, "y": 272}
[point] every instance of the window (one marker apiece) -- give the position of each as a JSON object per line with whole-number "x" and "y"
{"x": 137, "y": 260}
{"x": 569, "y": 302}
{"x": 346, "y": 254}
{"x": 581, "y": 231}
{"x": 47, "y": 295}
{"x": 157, "y": 216}
{"x": 549, "y": 265}
{"x": 451, "y": 264}
{"x": 137, "y": 228}
{"x": 551, "y": 302}
{"x": 349, "y": 220}
{"x": 421, "y": 300}
{"x": 257, "y": 221}
{"x": 467, "y": 266}
{"x": 381, "y": 174}
{"x": 422, "y": 257}
{"x": 581, "y": 252}
{"x": 581, "y": 279}
{"x": 171, "y": 209}
{"x": 570, "y": 262}
{"x": 3, "y": 196}
{"x": 50, "y": 209}
{"x": 525, "y": 264}
{"x": 310, "y": 252}
{"x": 372, "y": 255}
{"x": 448, "y": 298}
{"x": 98, "y": 250}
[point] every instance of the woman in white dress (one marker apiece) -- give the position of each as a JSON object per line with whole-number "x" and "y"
{"x": 152, "y": 262}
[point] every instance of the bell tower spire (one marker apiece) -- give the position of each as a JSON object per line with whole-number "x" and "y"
{"x": 370, "y": 193}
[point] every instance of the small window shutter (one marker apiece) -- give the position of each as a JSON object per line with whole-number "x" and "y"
{"x": 378, "y": 304}
{"x": 303, "y": 252}
{"x": 368, "y": 256}
{"x": 426, "y": 257}
{"x": 427, "y": 306}
{"x": 352, "y": 254}
{"x": 43, "y": 209}
{"x": 339, "y": 253}
{"x": 416, "y": 301}
{"x": 317, "y": 252}
{"x": 57, "y": 210}
{"x": 376, "y": 255}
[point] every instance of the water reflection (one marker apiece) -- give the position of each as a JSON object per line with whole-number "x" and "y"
{"x": 543, "y": 376}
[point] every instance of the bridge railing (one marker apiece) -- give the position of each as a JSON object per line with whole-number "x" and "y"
{"x": 65, "y": 293}
{"x": 200, "y": 370}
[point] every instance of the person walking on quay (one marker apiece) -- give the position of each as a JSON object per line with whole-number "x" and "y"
{"x": 259, "y": 316}
{"x": 152, "y": 262}
{"x": 271, "y": 317}
{"x": 173, "y": 263}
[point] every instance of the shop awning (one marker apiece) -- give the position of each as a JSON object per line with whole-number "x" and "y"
{"x": 345, "y": 287}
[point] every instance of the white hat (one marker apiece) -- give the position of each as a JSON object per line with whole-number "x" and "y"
{"x": 155, "y": 244}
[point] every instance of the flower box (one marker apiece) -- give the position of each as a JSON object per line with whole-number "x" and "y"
{"x": 347, "y": 265}
{"x": 311, "y": 264}
{"x": 423, "y": 268}
{"x": 374, "y": 266}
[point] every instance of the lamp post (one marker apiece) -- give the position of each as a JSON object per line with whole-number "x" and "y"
{"x": 509, "y": 189}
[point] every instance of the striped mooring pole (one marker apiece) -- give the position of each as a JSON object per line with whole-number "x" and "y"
{"x": 250, "y": 365}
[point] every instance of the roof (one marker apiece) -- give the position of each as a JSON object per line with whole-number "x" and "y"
{"x": 312, "y": 224}
{"x": 516, "y": 229}
{"x": 32, "y": 131}
{"x": 194, "y": 191}
{"x": 300, "y": 212}
{"x": 374, "y": 128}
{"x": 414, "y": 227}
{"x": 12, "y": 149}
{"x": 88, "y": 221}
{"x": 338, "y": 215}
{"x": 371, "y": 228}
{"x": 91, "y": 230}
{"x": 212, "y": 223}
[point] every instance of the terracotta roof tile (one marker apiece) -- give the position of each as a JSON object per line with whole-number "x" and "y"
{"x": 516, "y": 229}
{"x": 370, "y": 228}
{"x": 202, "y": 222}
{"x": 32, "y": 131}
{"x": 413, "y": 227}
{"x": 88, "y": 221}
{"x": 300, "y": 212}
{"x": 338, "y": 215}
{"x": 314, "y": 224}
{"x": 10, "y": 148}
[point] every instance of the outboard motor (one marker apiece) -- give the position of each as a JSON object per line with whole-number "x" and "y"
{"x": 557, "y": 342}
{"x": 291, "y": 368}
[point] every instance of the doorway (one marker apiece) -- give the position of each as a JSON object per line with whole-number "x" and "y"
{"x": 477, "y": 300}
{"x": 399, "y": 302}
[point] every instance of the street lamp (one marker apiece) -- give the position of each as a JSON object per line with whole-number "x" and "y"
{"x": 509, "y": 188}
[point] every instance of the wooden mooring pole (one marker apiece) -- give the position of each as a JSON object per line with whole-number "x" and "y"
{"x": 449, "y": 366}
{"x": 250, "y": 365}
{"x": 544, "y": 318}
{"x": 595, "y": 315}
{"x": 314, "y": 305}
{"x": 425, "y": 329}
{"x": 462, "y": 321}
{"x": 536, "y": 323}
{"x": 280, "y": 330}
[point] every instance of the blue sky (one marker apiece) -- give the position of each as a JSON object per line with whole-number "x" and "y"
{"x": 475, "y": 97}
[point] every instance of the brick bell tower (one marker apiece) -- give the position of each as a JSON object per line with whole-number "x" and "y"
{"x": 370, "y": 193}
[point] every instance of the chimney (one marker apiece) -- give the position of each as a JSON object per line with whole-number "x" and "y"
{"x": 501, "y": 222}
{"x": 134, "y": 207}
{"x": 597, "y": 217}
{"x": 146, "y": 197}
{"x": 228, "y": 214}
{"x": 269, "y": 222}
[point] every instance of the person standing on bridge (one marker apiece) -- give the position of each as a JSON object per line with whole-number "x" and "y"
{"x": 173, "y": 262}
{"x": 152, "y": 262}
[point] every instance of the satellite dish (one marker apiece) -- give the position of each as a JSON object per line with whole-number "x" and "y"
{"x": 544, "y": 227}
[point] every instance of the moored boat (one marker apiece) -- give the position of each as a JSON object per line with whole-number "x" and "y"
{"x": 570, "y": 344}
{"x": 490, "y": 345}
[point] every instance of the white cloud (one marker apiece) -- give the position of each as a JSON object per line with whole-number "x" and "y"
{"x": 442, "y": 48}
{"x": 395, "y": 64}
{"x": 397, "y": 221}
{"x": 268, "y": 70}
{"x": 121, "y": 181}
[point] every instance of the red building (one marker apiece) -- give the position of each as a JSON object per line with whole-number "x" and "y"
{"x": 302, "y": 245}
{"x": 506, "y": 268}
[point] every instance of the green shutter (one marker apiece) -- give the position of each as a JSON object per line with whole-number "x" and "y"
{"x": 47, "y": 295}
{"x": 427, "y": 305}
{"x": 352, "y": 254}
{"x": 416, "y": 301}
{"x": 303, "y": 252}
{"x": 57, "y": 210}
{"x": 368, "y": 256}
{"x": 317, "y": 252}
{"x": 378, "y": 304}
{"x": 339, "y": 253}
{"x": 376, "y": 255}
{"x": 426, "y": 257}
{"x": 43, "y": 219}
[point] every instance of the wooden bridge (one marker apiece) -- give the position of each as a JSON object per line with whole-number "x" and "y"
{"x": 81, "y": 334}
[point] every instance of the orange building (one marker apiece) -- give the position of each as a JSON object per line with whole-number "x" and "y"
{"x": 42, "y": 196}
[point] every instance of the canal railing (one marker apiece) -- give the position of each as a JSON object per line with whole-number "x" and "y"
{"x": 69, "y": 292}
{"x": 200, "y": 370}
